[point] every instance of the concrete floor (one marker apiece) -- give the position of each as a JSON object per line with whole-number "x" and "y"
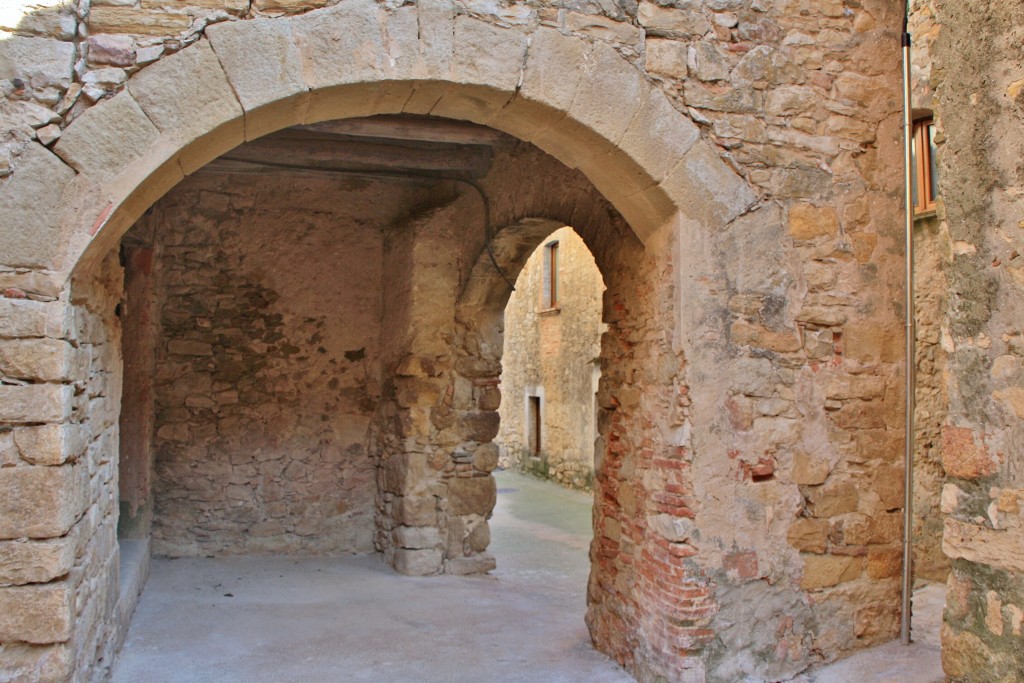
{"x": 280, "y": 619}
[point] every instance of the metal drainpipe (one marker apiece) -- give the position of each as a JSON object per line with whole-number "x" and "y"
{"x": 910, "y": 360}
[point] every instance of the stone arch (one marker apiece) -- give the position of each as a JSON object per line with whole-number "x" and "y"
{"x": 580, "y": 102}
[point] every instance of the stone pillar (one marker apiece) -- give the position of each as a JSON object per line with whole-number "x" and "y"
{"x": 438, "y": 414}
{"x": 58, "y": 458}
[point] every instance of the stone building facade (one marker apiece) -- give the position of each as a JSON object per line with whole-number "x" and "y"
{"x": 732, "y": 165}
{"x": 550, "y": 364}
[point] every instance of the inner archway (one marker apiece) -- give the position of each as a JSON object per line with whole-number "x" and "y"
{"x": 324, "y": 344}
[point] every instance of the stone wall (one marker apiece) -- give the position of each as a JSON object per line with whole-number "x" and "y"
{"x": 979, "y": 85}
{"x": 932, "y": 251}
{"x": 553, "y": 354}
{"x": 60, "y": 370}
{"x": 266, "y": 377}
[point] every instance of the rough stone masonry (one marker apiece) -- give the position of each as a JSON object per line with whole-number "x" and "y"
{"x": 734, "y": 167}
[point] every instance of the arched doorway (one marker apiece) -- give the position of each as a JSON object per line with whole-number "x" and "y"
{"x": 696, "y": 237}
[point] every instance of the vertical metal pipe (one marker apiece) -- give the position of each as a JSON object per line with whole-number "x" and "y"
{"x": 910, "y": 360}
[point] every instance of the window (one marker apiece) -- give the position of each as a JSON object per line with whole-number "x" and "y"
{"x": 533, "y": 424}
{"x": 924, "y": 174}
{"x": 551, "y": 275}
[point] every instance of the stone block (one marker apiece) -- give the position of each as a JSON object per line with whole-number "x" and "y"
{"x": 825, "y": 571}
{"x": 807, "y": 222}
{"x": 52, "y": 444}
{"x": 341, "y": 44}
{"x": 707, "y": 190}
{"x": 479, "y": 538}
{"x": 41, "y": 502}
{"x": 473, "y": 495}
{"x": 963, "y": 457}
{"x": 37, "y": 613}
{"x": 486, "y": 54}
{"x": 274, "y": 7}
{"x": 670, "y": 21}
{"x": 479, "y": 426}
{"x": 107, "y": 19}
{"x": 40, "y": 62}
{"x": 485, "y": 457}
{"x": 267, "y": 82}
{"x": 111, "y": 50}
{"x": 666, "y": 57}
{"x": 833, "y": 499}
{"x": 554, "y": 67}
{"x": 884, "y": 563}
{"x": 808, "y": 535}
{"x": 417, "y": 537}
{"x": 188, "y": 97}
{"x": 415, "y": 510}
{"x": 24, "y": 561}
{"x": 35, "y": 403}
{"x": 44, "y": 359}
{"x": 808, "y": 470}
{"x": 423, "y": 562}
{"x": 658, "y": 136}
{"x": 27, "y": 318}
{"x": 1000, "y": 548}
{"x": 39, "y": 664}
{"x": 609, "y": 94}
{"x": 30, "y": 231}
{"x": 107, "y": 137}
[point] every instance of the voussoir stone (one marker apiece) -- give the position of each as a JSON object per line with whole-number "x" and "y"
{"x": 187, "y": 94}
{"x": 488, "y": 54}
{"x": 259, "y": 76}
{"x": 609, "y": 94}
{"x": 340, "y": 44}
{"x": 658, "y": 136}
{"x": 107, "y": 137}
{"x": 701, "y": 184}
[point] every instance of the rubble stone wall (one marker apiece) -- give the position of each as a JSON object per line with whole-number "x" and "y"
{"x": 553, "y": 354}
{"x": 266, "y": 376}
{"x": 979, "y": 89}
{"x": 932, "y": 251}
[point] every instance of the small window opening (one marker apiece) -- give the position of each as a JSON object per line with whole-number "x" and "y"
{"x": 924, "y": 172}
{"x": 551, "y": 275}
{"x": 533, "y": 424}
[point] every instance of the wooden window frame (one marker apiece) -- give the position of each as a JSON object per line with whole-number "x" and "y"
{"x": 551, "y": 283}
{"x": 925, "y": 202}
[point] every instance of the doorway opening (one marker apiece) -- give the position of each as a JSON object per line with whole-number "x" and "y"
{"x": 551, "y": 364}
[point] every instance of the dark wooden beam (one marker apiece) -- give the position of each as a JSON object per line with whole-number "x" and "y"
{"x": 408, "y": 127}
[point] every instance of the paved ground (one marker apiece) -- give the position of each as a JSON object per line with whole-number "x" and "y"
{"x": 257, "y": 619}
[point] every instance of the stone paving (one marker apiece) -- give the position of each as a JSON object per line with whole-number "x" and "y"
{"x": 328, "y": 619}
